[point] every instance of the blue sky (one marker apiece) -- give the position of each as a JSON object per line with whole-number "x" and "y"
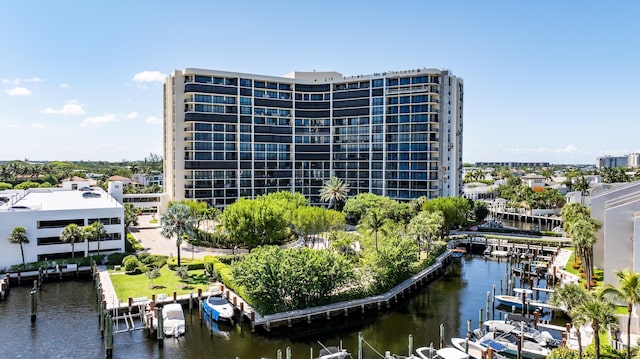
{"x": 552, "y": 81}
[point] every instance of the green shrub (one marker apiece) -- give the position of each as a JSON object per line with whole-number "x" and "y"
{"x": 141, "y": 268}
{"x": 131, "y": 263}
{"x": 154, "y": 260}
{"x": 116, "y": 258}
{"x": 191, "y": 265}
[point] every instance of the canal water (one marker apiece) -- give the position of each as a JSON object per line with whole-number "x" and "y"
{"x": 67, "y": 323}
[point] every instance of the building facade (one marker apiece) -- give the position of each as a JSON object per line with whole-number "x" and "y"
{"x": 612, "y": 161}
{"x": 230, "y": 135}
{"x": 45, "y": 212}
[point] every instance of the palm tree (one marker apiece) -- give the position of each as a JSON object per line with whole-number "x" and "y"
{"x": 600, "y": 313}
{"x": 130, "y": 216}
{"x": 628, "y": 290}
{"x": 334, "y": 190}
{"x": 72, "y": 233}
{"x": 375, "y": 222}
{"x": 583, "y": 234}
{"x": 96, "y": 232}
{"x": 568, "y": 297}
{"x": 19, "y": 236}
{"x": 177, "y": 221}
{"x": 581, "y": 185}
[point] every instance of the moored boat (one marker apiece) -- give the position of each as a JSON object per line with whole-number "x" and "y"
{"x": 333, "y": 353}
{"x": 218, "y": 308}
{"x": 507, "y": 343}
{"x": 173, "y": 323}
{"x": 444, "y": 353}
{"x": 472, "y": 348}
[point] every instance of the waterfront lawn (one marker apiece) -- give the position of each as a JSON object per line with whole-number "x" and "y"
{"x": 139, "y": 285}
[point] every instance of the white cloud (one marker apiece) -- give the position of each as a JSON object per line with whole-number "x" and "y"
{"x": 99, "y": 120}
{"x": 13, "y": 125}
{"x": 36, "y": 125}
{"x": 71, "y": 108}
{"x": 154, "y": 120}
{"x": 33, "y": 79}
{"x": 19, "y": 91}
{"x": 64, "y": 85}
{"x": 131, "y": 115}
{"x": 19, "y": 81}
{"x": 149, "y": 76}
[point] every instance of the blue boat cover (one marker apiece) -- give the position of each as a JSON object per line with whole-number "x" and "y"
{"x": 211, "y": 311}
{"x": 494, "y": 345}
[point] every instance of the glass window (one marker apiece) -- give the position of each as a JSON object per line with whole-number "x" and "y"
{"x": 245, "y": 82}
{"x": 377, "y": 82}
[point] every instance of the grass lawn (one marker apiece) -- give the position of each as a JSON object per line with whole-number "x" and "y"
{"x": 153, "y": 221}
{"x": 569, "y": 266}
{"x": 139, "y": 285}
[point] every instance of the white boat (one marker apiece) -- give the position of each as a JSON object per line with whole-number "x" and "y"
{"x": 218, "y": 308}
{"x": 172, "y": 320}
{"x": 474, "y": 349}
{"x": 517, "y": 324}
{"x": 516, "y": 300}
{"x": 507, "y": 343}
{"x": 333, "y": 353}
{"x": 444, "y": 353}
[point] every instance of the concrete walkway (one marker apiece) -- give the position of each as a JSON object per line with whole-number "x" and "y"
{"x": 149, "y": 235}
{"x": 560, "y": 262}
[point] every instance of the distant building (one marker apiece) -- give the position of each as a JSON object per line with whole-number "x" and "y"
{"x": 147, "y": 179}
{"x": 512, "y": 164}
{"x": 612, "y": 161}
{"x": 44, "y": 212}
{"x": 633, "y": 160}
{"x": 534, "y": 180}
{"x": 232, "y": 135}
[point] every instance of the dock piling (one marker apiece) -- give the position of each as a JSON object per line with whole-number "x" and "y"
{"x": 109, "y": 340}
{"x": 160, "y": 328}
{"x": 34, "y": 301}
{"x": 441, "y": 336}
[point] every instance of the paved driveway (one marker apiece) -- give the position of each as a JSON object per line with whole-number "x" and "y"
{"x": 149, "y": 236}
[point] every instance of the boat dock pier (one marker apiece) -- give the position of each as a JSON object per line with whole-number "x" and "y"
{"x": 543, "y": 222}
{"x": 544, "y": 248}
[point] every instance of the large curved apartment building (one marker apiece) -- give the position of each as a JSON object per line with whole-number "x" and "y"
{"x": 230, "y": 135}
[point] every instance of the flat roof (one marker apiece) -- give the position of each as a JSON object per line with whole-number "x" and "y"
{"x": 58, "y": 199}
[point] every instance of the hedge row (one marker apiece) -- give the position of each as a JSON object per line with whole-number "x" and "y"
{"x": 224, "y": 274}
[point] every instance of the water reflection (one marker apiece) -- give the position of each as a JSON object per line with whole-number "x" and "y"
{"x": 67, "y": 325}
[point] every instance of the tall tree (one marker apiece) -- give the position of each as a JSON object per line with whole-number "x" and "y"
{"x": 96, "y": 232}
{"x": 583, "y": 234}
{"x": 19, "y": 236}
{"x": 426, "y": 226}
{"x": 130, "y": 216}
{"x": 72, "y": 233}
{"x": 177, "y": 222}
{"x": 568, "y": 297}
{"x": 334, "y": 190}
{"x": 600, "y": 313}
{"x": 375, "y": 222}
{"x": 628, "y": 291}
{"x": 581, "y": 185}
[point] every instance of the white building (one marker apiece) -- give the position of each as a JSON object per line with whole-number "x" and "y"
{"x": 44, "y": 212}
{"x": 232, "y": 135}
{"x": 147, "y": 179}
{"x": 616, "y": 208}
